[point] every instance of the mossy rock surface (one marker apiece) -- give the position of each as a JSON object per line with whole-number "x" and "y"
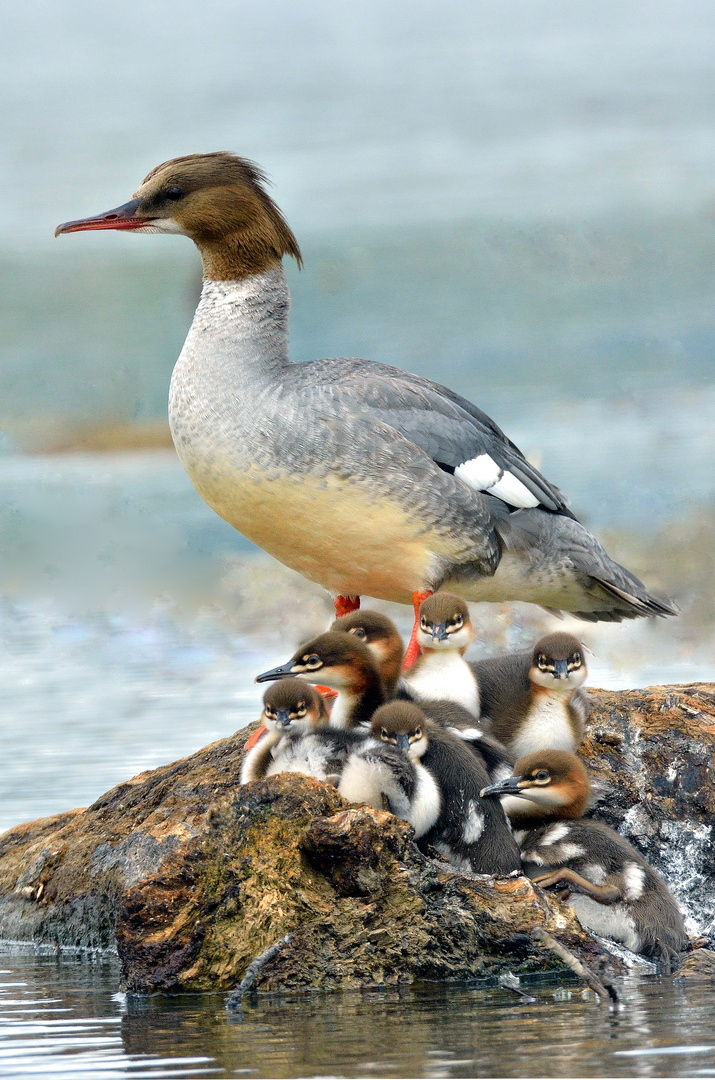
{"x": 190, "y": 877}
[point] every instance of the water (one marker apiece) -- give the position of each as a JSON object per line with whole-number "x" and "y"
{"x": 64, "y": 1018}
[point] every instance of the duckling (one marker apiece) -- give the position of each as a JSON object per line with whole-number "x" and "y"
{"x": 364, "y": 478}
{"x": 374, "y": 770}
{"x": 441, "y": 672}
{"x": 534, "y": 699}
{"x": 344, "y": 663}
{"x": 290, "y": 709}
{"x": 383, "y": 638}
{"x": 606, "y": 881}
{"x": 467, "y": 832}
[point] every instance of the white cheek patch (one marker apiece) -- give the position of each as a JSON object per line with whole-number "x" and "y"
{"x": 483, "y": 474}
{"x": 473, "y": 825}
{"x": 162, "y": 225}
{"x": 633, "y": 881}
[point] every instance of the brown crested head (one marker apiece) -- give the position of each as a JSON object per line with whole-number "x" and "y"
{"x": 341, "y": 661}
{"x": 298, "y": 698}
{"x": 399, "y": 722}
{"x": 219, "y": 200}
{"x": 556, "y": 780}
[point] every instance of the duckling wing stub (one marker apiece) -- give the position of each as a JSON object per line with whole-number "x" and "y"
{"x": 458, "y": 436}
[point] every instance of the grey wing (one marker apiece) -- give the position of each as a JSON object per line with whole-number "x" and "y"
{"x": 458, "y": 436}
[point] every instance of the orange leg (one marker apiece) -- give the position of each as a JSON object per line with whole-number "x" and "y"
{"x": 413, "y": 649}
{"x": 345, "y": 604}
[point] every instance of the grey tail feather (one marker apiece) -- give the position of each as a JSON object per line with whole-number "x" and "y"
{"x": 639, "y": 606}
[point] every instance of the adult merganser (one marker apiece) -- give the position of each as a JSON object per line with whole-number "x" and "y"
{"x": 534, "y": 698}
{"x": 290, "y": 709}
{"x": 609, "y": 884}
{"x": 444, "y": 634}
{"x": 366, "y": 479}
{"x": 469, "y": 835}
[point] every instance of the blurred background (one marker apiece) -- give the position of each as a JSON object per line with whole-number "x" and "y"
{"x": 516, "y": 198}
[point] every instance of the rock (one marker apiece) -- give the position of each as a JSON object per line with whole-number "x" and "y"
{"x": 699, "y": 965}
{"x": 192, "y": 878}
{"x": 651, "y": 754}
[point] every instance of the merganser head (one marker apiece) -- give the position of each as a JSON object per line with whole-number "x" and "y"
{"x": 554, "y": 781}
{"x": 444, "y": 623}
{"x": 340, "y": 661}
{"x": 403, "y": 725}
{"x": 291, "y": 706}
{"x": 219, "y": 201}
{"x": 382, "y": 638}
{"x": 558, "y": 663}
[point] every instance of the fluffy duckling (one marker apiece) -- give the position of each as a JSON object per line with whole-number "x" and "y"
{"x": 534, "y": 699}
{"x": 444, "y": 634}
{"x": 344, "y": 663}
{"x": 388, "y": 766}
{"x": 467, "y": 832}
{"x": 290, "y": 709}
{"x": 382, "y": 637}
{"x": 609, "y": 885}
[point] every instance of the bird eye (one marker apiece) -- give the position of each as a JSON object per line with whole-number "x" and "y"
{"x": 384, "y": 734}
{"x": 542, "y": 660}
{"x": 417, "y": 733}
{"x": 312, "y": 661}
{"x": 359, "y": 632}
{"x": 175, "y": 193}
{"x": 424, "y": 625}
{"x": 457, "y": 621}
{"x": 300, "y": 710}
{"x": 576, "y": 659}
{"x": 542, "y": 774}
{"x": 270, "y": 712}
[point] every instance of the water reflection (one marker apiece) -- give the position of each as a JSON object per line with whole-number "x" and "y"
{"x": 63, "y": 1017}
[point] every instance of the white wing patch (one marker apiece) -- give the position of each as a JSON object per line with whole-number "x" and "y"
{"x": 474, "y": 823}
{"x": 554, "y": 834}
{"x": 484, "y": 474}
{"x": 633, "y": 880}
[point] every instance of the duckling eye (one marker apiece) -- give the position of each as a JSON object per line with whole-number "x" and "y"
{"x": 270, "y": 712}
{"x": 417, "y": 734}
{"x": 312, "y": 661}
{"x": 575, "y": 660}
{"x": 299, "y": 710}
{"x": 542, "y": 660}
{"x": 359, "y": 632}
{"x": 384, "y": 733}
{"x": 175, "y": 193}
{"x": 542, "y": 774}
{"x": 424, "y": 625}
{"x": 456, "y": 622}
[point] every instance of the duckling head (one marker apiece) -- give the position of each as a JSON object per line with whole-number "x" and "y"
{"x": 340, "y": 661}
{"x": 444, "y": 623}
{"x": 219, "y": 201}
{"x": 382, "y": 638}
{"x": 553, "y": 781}
{"x": 403, "y": 725}
{"x": 291, "y": 706}
{"x": 558, "y": 663}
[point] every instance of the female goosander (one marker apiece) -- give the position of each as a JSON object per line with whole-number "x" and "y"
{"x": 609, "y": 884}
{"x": 364, "y": 478}
{"x": 534, "y": 699}
{"x": 389, "y": 766}
{"x": 467, "y": 832}
{"x": 290, "y": 709}
{"x": 444, "y": 634}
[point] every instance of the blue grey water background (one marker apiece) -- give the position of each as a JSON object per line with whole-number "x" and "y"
{"x": 515, "y": 198}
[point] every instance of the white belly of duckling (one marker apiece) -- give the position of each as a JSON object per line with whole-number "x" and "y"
{"x": 444, "y": 675}
{"x": 546, "y": 726}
